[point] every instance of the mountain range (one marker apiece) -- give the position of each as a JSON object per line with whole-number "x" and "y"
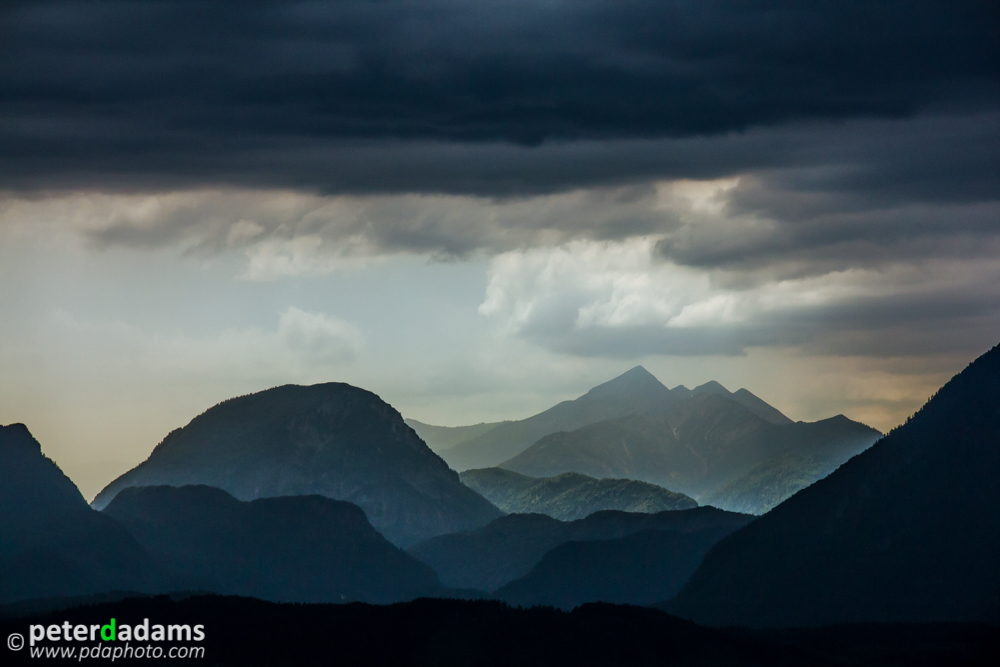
{"x": 729, "y": 449}
{"x": 570, "y": 496}
{"x": 636, "y": 391}
{"x": 905, "y": 531}
{"x": 696, "y": 447}
{"x": 330, "y": 439}
{"x": 289, "y": 549}
{"x": 53, "y": 545}
{"x": 508, "y": 548}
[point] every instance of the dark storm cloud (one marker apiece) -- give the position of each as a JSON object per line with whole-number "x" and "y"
{"x": 445, "y": 96}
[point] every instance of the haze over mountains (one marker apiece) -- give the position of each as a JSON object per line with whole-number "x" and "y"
{"x": 730, "y": 449}
{"x": 331, "y": 439}
{"x": 906, "y": 531}
{"x": 634, "y": 392}
{"x": 570, "y": 496}
{"x": 440, "y": 438}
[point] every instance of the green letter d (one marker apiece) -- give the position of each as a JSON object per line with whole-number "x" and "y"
{"x": 108, "y": 631}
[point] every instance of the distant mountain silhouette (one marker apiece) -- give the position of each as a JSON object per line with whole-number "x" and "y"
{"x": 694, "y": 447}
{"x": 632, "y": 392}
{"x": 51, "y": 543}
{"x": 570, "y": 496}
{"x": 289, "y": 549}
{"x": 508, "y": 548}
{"x": 636, "y": 392}
{"x": 906, "y": 531}
{"x": 440, "y": 438}
{"x": 742, "y": 396}
{"x": 641, "y": 569}
{"x": 329, "y": 439}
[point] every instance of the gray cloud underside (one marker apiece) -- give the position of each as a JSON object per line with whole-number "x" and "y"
{"x": 436, "y": 96}
{"x": 862, "y": 193}
{"x": 941, "y": 321}
{"x": 864, "y": 135}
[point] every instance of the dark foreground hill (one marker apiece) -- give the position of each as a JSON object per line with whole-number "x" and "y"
{"x": 699, "y": 445}
{"x": 446, "y": 633}
{"x": 640, "y": 569}
{"x": 51, "y": 542}
{"x": 290, "y": 549}
{"x": 570, "y": 496}
{"x": 331, "y": 439}
{"x": 507, "y": 549}
{"x": 907, "y": 531}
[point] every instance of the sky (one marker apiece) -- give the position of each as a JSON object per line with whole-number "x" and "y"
{"x": 479, "y": 209}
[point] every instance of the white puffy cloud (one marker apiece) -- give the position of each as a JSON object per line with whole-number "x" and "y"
{"x": 620, "y": 298}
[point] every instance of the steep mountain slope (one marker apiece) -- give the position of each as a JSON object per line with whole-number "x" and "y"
{"x": 637, "y": 569}
{"x": 759, "y": 407}
{"x": 635, "y": 391}
{"x": 329, "y": 439}
{"x": 51, "y": 543}
{"x": 905, "y": 531}
{"x": 767, "y": 484}
{"x": 440, "y": 438}
{"x": 570, "y": 496}
{"x": 508, "y": 548}
{"x": 695, "y": 447}
{"x": 289, "y": 549}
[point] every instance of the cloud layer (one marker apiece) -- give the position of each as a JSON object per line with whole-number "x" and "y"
{"x": 364, "y": 96}
{"x": 614, "y": 299}
{"x": 695, "y": 177}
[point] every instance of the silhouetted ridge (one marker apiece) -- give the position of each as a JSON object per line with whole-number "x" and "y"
{"x": 33, "y": 487}
{"x": 508, "y": 548}
{"x": 330, "y": 439}
{"x": 641, "y": 568}
{"x": 293, "y": 548}
{"x": 906, "y": 531}
{"x": 571, "y": 495}
{"x": 51, "y": 543}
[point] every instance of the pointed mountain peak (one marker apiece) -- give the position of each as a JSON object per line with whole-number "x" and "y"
{"x": 18, "y": 435}
{"x": 632, "y": 381}
{"x": 711, "y": 387}
{"x": 637, "y": 373}
{"x": 31, "y": 485}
